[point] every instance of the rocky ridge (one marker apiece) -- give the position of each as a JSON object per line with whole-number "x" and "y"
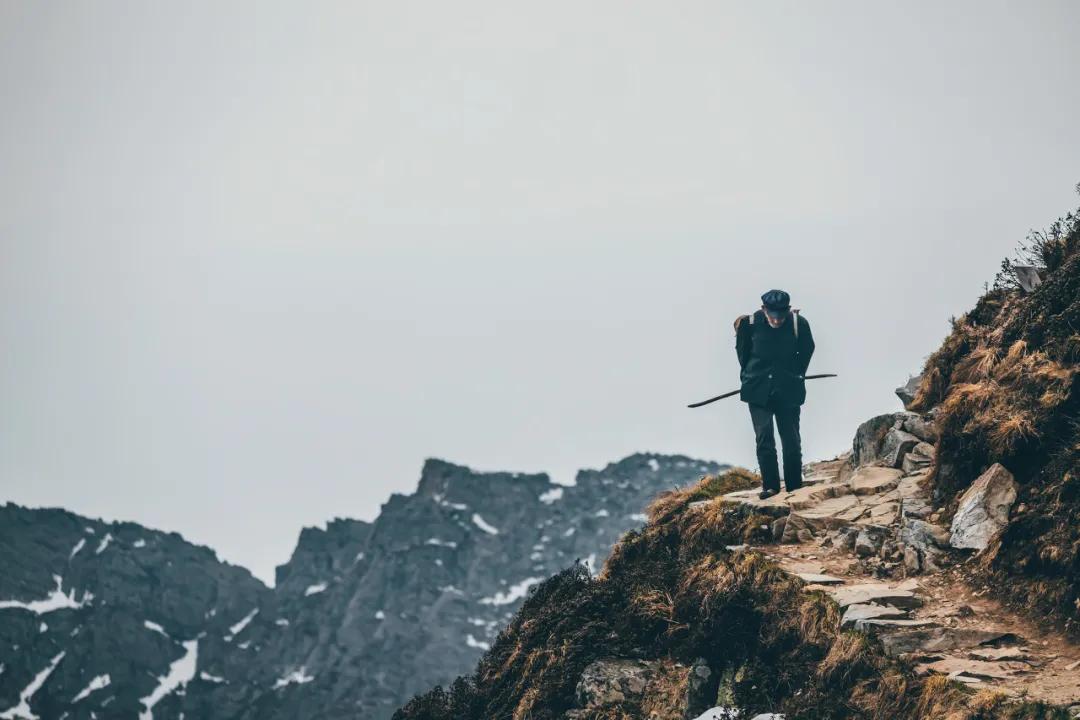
{"x": 113, "y": 620}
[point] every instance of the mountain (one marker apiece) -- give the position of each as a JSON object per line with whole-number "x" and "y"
{"x": 113, "y": 620}
{"x": 932, "y": 571}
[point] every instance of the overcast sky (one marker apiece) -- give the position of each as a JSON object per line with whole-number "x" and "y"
{"x": 258, "y": 261}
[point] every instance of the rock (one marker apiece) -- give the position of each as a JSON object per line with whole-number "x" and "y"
{"x": 871, "y": 479}
{"x": 866, "y": 446}
{"x": 906, "y": 392}
{"x": 984, "y": 508}
{"x": 867, "y": 543}
{"x": 829, "y": 514}
{"x": 1028, "y": 277}
{"x": 870, "y": 611}
{"x": 972, "y": 668}
{"x": 896, "y": 445}
{"x": 844, "y": 538}
{"x": 879, "y": 593}
{"x": 701, "y": 685}
{"x": 938, "y": 639}
{"x": 777, "y": 528}
{"x": 877, "y": 626}
{"x": 819, "y": 579}
{"x": 1011, "y": 653}
{"x": 611, "y": 681}
{"x": 914, "y": 508}
{"x": 918, "y": 458}
{"x": 921, "y": 427}
{"x": 923, "y": 543}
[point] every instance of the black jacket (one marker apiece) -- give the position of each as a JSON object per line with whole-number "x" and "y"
{"x": 773, "y": 360}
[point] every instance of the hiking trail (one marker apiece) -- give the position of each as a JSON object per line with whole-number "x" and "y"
{"x": 868, "y": 537}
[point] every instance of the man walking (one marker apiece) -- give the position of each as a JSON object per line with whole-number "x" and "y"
{"x": 774, "y": 346}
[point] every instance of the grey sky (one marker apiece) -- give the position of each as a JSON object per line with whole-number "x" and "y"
{"x": 259, "y": 261}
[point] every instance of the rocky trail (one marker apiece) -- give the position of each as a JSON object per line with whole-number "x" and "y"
{"x": 863, "y": 529}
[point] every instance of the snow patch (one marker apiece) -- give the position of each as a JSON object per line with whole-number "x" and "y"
{"x": 181, "y": 671}
{"x": 722, "y": 713}
{"x": 56, "y": 600}
{"x": 359, "y": 557}
{"x": 639, "y": 517}
{"x": 239, "y": 627}
{"x": 315, "y": 589}
{"x": 654, "y": 465}
{"x": 569, "y": 532}
{"x": 101, "y": 681}
{"x": 474, "y": 643}
{"x": 296, "y": 677}
{"x": 78, "y": 546}
{"x": 140, "y": 543}
{"x": 44, "y": 627}
{"x": 210, "y": 678}
{"x": 22, "y": 710}
{"x": 149, "y": 625}
{"x": 602, "y": 512}
{"x": 479, "y": 522}
{"x": 551, "y": 495}
{"x": 281, "y": 622}
{"x": 104, "y": 543}
{"x": 441, "y": 543}
{"x": 380, "y": 615}
{"x": 514, "y": 593}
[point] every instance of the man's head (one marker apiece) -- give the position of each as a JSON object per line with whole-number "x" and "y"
{"x": 776, "y": 304}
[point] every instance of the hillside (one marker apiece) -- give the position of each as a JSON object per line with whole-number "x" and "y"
{"x": 931, "y": 571}
{"x": 113, "y": 620}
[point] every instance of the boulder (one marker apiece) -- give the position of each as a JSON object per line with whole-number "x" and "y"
{"x": 906, "y": 392}
{"x": 984, "y": 509}
{"x": 1028, "y": 277}
{"x": 866, "y": 447}
{"x": 921, "y": 428}
{"x": 896, "y": 445}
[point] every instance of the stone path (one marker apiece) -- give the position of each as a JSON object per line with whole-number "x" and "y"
{"x": 869, "y": 537}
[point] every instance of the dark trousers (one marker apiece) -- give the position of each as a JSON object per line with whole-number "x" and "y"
{"x": 787, "y": 423}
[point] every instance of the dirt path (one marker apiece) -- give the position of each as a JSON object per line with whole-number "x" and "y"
{"x": 870, "y": 538}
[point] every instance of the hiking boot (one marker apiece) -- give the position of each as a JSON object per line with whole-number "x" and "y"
{"x": 766, "y": 494}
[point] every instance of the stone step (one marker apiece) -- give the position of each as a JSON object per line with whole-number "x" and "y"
{"x": 873, "y": 480}
{"x": 937, "y": 639}
{"x": 877, "y": 593}
{"x": 819, "y": 579}
{"x": 979, "y": 669}
{"x": 870, "y": 611}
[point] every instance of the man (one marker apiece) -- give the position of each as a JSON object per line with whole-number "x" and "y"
{"x": 774, "y": 346}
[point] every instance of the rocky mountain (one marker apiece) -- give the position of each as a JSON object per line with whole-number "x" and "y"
{"x": 114, "y": 620}
{"x": 931, "y": 571}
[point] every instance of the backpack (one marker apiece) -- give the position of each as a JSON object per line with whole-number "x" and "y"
{"x": 794, "y": 323}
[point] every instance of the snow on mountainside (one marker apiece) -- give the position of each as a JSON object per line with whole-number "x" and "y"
{"x": 114, "y": 620}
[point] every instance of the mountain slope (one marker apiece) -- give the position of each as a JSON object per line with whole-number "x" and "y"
{"x": 363, "y": 615}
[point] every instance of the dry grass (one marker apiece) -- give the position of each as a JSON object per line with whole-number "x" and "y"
{"x": 668, "y": 503}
